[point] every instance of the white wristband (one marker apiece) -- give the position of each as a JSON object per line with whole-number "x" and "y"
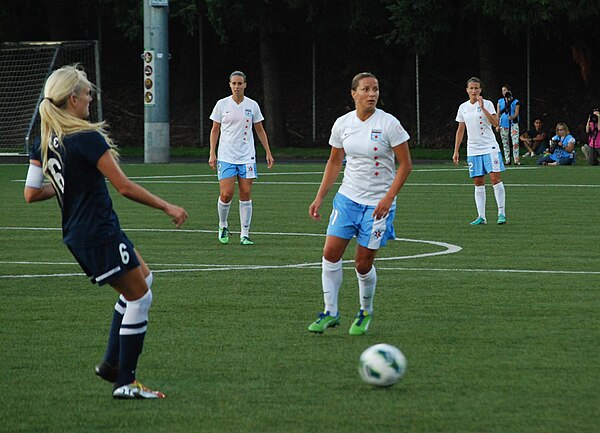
{"x": 35, "y": 177}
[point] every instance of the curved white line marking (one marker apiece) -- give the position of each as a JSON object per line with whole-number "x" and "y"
{"x": 449, "y": 249}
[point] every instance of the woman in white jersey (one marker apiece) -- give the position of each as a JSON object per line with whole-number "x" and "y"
{"x": 372, "y": 142}
{"x": 233, "y": 118}
{"x": 478, "y": 116}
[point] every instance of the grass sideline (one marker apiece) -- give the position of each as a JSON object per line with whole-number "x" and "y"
{"x": 501, "y": 336}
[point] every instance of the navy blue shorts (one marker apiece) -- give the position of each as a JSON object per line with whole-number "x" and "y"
{"x": 104, "y": 262}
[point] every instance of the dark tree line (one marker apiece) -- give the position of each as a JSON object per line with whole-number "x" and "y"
{"x": 279, "y": 43}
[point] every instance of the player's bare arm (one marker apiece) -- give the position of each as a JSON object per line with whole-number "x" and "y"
{"x": 331, "y": 173}
{"x": 127, "y": 188}
{"x": 402, "y": 154}
{"x": 215, "y": 131}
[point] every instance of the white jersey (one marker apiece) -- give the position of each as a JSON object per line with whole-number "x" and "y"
{"x": 236, "y": 142}
{"x": 370, "y": 160}
{"x": 480, "y": 136}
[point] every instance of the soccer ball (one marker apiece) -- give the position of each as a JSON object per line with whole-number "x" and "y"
{"x": 382, "y": 365}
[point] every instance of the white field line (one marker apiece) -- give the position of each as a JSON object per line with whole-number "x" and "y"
{"x": 187, "y": 179}
{"x": 196, "y": 267}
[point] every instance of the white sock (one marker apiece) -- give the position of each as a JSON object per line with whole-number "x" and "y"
{"x": 499, "y": 194}
{"x": 223, "y": 211}
{"x": 245, "y": 217}
{"x": 366, "y": 289}
{"x": 149, "y": 280}
{"x": 331, "y": 279}
{"x": 135, "y": 319}
{"x": 480, "y": 200}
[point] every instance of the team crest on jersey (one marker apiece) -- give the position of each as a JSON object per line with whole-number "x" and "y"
{"x": 377, "y": 234}
{"x": 248, "y": 112}
{"x": 376, "y": 134}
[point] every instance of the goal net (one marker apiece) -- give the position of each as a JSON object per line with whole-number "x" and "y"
{"x": 24, "y": 67}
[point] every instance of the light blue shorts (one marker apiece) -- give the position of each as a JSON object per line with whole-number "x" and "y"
{"x": 349, "y": 219}
{"x": 484, "y": 164}
{"x": 243, "y": 171}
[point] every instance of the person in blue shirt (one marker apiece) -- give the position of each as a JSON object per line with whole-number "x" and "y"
{"x": 508, "y": 108}
{"x": 562, "y": 148}
{"x": 77, "y": 156}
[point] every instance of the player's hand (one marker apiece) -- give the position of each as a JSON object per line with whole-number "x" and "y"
{"x": 383, "y": 208}
{"x": 480, "y": 101}
{"x": 455, "y": 158}
{"x": 212, "y": 161}
{"x": 313, "y": 209}
{"x": 178, "y": 215}
{"x": 270, "y": 161}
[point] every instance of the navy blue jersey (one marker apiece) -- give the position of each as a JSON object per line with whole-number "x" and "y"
{"x": 88, "y": 217}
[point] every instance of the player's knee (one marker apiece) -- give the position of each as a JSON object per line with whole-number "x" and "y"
{"x": 226, "y": 197}
{"x": 363, "y": 264}
{"x": 363, "y": 267}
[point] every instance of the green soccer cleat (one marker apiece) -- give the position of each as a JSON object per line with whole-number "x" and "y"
{"x": 361, "y": 323}
{"x": 501, "y": 219}
{"x": 478, "y": 222}
{"x": 224, "y": 235}
{"x": 245, "y": 240}
{"x": 324, "y": 320}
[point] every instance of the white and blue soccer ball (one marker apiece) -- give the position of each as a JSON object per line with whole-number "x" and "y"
{"x": 382, "y": 365}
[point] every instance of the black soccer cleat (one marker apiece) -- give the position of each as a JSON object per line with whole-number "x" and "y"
{"x": 107, "y": 372}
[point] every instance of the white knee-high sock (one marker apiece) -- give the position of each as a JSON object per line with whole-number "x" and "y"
{"x": 245, "y": 217}
{"x": 331, "y": 279}
{"x": 480, "y": 200}
{"x": 223, "y": 211}
{"x": 149, "y": 280}
{"x": 366, "y": 289}
{"x": 500, "y": 197}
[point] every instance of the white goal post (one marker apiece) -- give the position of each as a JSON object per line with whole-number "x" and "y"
{"x": 24, "y": 67}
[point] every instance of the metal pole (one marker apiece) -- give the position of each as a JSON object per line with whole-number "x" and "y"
{"x": 156, "y": 81}
{"x": 528, "y": 79}
{"x": 98, "y": 83}
{"x": 201, "y": 77}
{"x": 418, "y": 100}
{"x": 314, "y": 90}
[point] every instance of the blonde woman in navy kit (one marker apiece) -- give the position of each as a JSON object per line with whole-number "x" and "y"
{"x": 77, "y": 157}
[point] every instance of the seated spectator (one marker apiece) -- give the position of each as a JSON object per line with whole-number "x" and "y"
{"x": 535, "y": 140}
{"x": 592, "y": 148}
{"x": 562, "y": 148}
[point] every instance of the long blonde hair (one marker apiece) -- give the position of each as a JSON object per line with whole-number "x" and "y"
{"x": 56, "y": 121}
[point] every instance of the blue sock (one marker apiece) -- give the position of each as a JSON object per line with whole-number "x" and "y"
{"x": 112, "y": 349}
{"x": 131, "y": 348}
